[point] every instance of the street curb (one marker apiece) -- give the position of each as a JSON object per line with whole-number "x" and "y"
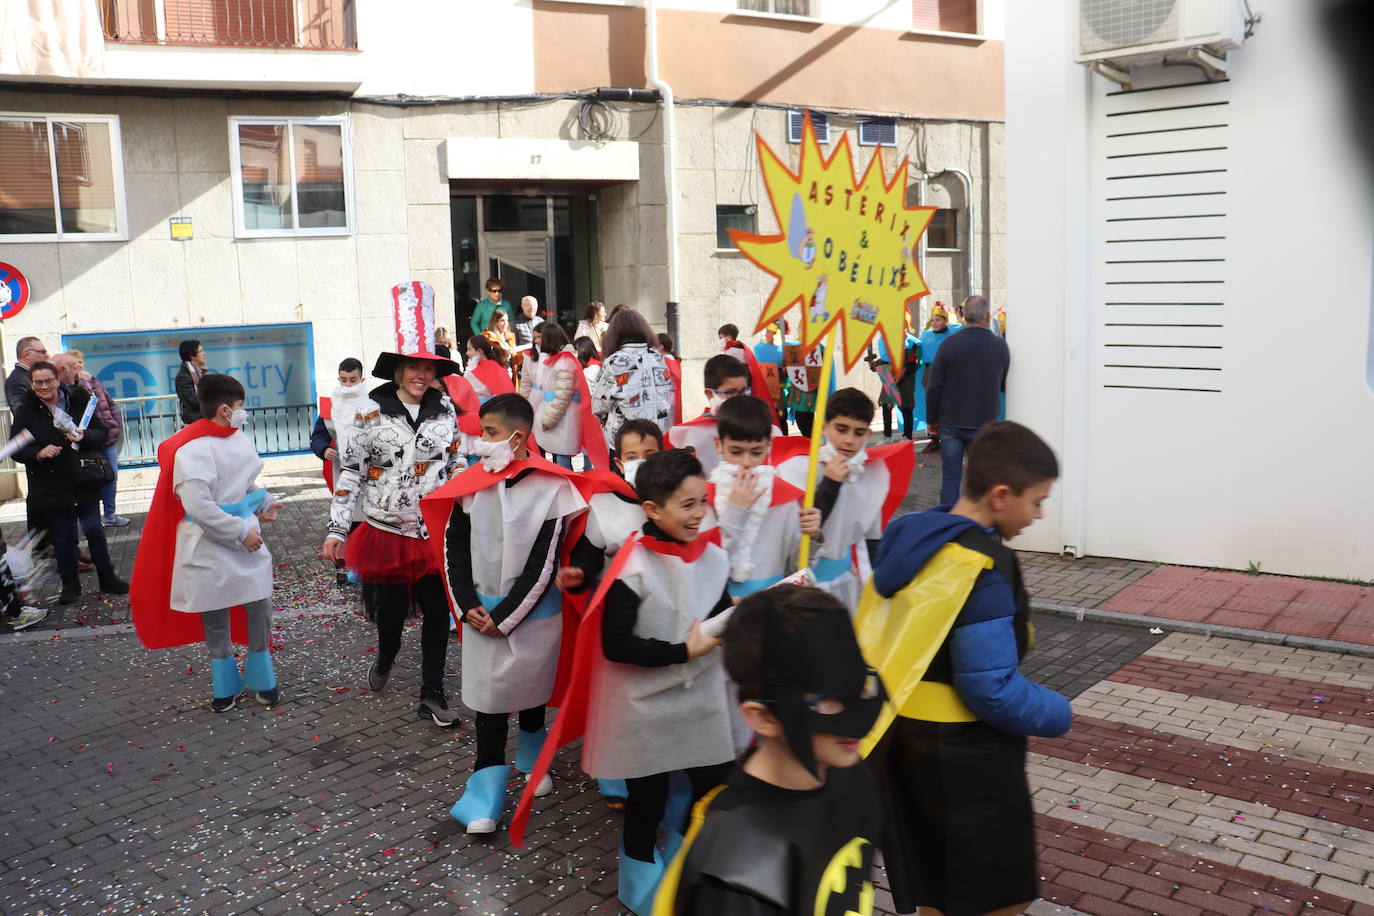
{"x": 1203, "y": 629}
{"x": 68, "y": 634}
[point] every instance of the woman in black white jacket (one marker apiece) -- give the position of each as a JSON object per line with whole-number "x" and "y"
{"x": 405, "y": 445}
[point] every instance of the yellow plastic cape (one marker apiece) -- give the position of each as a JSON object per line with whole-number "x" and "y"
{"x": 900, "y": 635}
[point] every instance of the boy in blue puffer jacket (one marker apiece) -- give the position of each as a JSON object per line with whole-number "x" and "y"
{"x": 947, "y": 599}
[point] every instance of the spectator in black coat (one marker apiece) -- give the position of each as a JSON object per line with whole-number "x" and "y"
{"x": 56, "y": 490}
{"x": 966, "y": 386}
{"x": 27, "y": 351}
{"x": 188, "y": 377}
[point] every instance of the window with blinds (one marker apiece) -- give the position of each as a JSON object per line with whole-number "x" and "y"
{"x": 319, "y": 24}
{"x": 945, "y": 16}
{"x": 783, "y": 7}
{"x": 291, "y": 176}
{"x": 61, "y": 178}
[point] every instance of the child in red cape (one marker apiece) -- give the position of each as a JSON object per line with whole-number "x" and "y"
{"x": 499, "y": 528}
{"x": 647, "y": 687}
{"x": 557, "y": 390}
{"x": 202, "y": 554}
{"x": 725, "y": 377}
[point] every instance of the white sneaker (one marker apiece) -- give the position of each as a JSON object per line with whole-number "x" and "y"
{"x": 482, "y": 826}
{"x": 28, "y": 616}
{"x": 545, "y": 787}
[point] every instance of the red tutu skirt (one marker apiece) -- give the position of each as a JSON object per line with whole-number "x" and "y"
{"x": 374, "y": 555}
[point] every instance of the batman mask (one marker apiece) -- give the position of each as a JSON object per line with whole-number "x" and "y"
{"x": 818, "y": 680}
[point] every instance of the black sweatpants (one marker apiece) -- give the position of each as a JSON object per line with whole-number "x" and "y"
{"x": 648, "y": 797}
{"x": 389, "y": 604}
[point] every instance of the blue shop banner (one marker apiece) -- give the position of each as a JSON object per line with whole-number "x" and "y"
{"x": 274, "y": 362}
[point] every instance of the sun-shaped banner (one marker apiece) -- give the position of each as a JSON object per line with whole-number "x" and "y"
{"x": 847, "y": 253}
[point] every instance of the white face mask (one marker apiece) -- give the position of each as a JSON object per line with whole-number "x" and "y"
{"x": 495, "y": 455}
{"x": 238, "y": 418}
{"x": 715, "y": 402}
{"x": 630, "y": 469}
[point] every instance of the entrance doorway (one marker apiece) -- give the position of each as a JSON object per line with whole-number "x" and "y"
{"x": 541, "y": 245}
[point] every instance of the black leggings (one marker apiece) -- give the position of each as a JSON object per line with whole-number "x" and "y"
{"x": 389, "y": 604}
{"x": 491, "y": 734}
{"x": 648, "y": 797}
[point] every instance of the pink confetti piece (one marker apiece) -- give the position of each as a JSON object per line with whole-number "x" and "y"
{"x": 109, "y": 768}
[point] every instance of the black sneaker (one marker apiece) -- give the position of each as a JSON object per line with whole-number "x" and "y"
{"x": 376, "y": 678}
{"x": 269, "y": 698}
{"x": 435, "y": 705}
{"x": 223, "y": 704}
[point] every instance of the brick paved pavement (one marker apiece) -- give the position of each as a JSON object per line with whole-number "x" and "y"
{"x": 1203, "y": 775}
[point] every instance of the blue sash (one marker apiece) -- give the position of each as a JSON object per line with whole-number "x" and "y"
{"x": 553, "y": 395}
{"x": 550, "y": 605}
{"x": 749, "y": 586}
{"x": 251, "y": 502}
{"x": 828, "y": 570}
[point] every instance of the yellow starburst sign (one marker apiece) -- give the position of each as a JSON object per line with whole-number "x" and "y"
{"x": 847, "y": 252}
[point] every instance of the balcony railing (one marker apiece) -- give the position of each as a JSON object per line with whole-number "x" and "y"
{"x": 322, "y": 25}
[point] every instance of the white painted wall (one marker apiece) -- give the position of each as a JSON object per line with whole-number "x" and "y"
{"x": 1275, "y": 468}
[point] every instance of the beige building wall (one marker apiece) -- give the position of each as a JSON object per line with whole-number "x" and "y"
{"x": 176, "y": 163}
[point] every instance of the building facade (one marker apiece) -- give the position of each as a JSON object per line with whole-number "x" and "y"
{"x": 1186, "y": 349}
{"x": 259, "y": 174}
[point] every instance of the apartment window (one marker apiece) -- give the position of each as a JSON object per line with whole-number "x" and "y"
{"x": 782, "y": 7}
{"x": 878, "y": 132}
{"x": 292, "y": 176}
{"x": 61, "y": 177}
{"x": 945, "y": 16}
{"x": 734, "y": 216}
{"x": 943, "y": 231}
{"x": 796, "y": 118}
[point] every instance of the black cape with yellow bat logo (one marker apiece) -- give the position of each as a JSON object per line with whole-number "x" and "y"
{"x": 769, "y": 850}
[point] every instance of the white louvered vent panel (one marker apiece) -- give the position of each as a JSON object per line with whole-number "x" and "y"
{"x": 1162, "y": 231}
{"x": 1108, "y": 24}
{"x": 796, "y": 121}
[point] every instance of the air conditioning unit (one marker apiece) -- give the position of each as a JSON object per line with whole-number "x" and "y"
{"x": 1145, "y": 31}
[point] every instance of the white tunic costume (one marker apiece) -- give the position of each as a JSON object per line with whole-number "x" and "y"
{"x": 857, "y": 517}
{"x": 213, "y": 570}
{"x": 643, "y": 721}
{"x": 514, "y": 529}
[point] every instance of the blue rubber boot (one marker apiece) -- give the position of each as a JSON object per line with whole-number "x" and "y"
{"x": 227, "y": 682}
{"x": 257, "y": 672}
{"x": 672, "y": 842}
{"x": 613, "y": 789}
{"x": 479, "y": 808}
{"x": 259, "y": 676}
{"x": 527, "y": 748}
{"x": 639, "y": 882}
{"x": 679, "y": 802}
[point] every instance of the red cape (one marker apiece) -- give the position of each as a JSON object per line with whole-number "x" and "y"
{"x": 758, "y": 382}
{"x": 588, "y": 657}
{"x": 150, "y": 591}
{"x": 327, "y": 413}
{"x": 593, "y": 442}
{"x": 675, "y": 371}
{"x": 900, "y": 458}
{"x": 494, "y": 376}
{"x": 465, "y": 400}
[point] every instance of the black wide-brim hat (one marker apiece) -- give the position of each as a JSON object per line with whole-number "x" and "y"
{"x": 413, "y": 315}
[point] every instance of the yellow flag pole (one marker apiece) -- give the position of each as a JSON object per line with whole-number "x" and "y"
{"x": 817, "y": 430}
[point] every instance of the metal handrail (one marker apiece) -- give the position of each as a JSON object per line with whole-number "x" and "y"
{"x": 146, "y": 421}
